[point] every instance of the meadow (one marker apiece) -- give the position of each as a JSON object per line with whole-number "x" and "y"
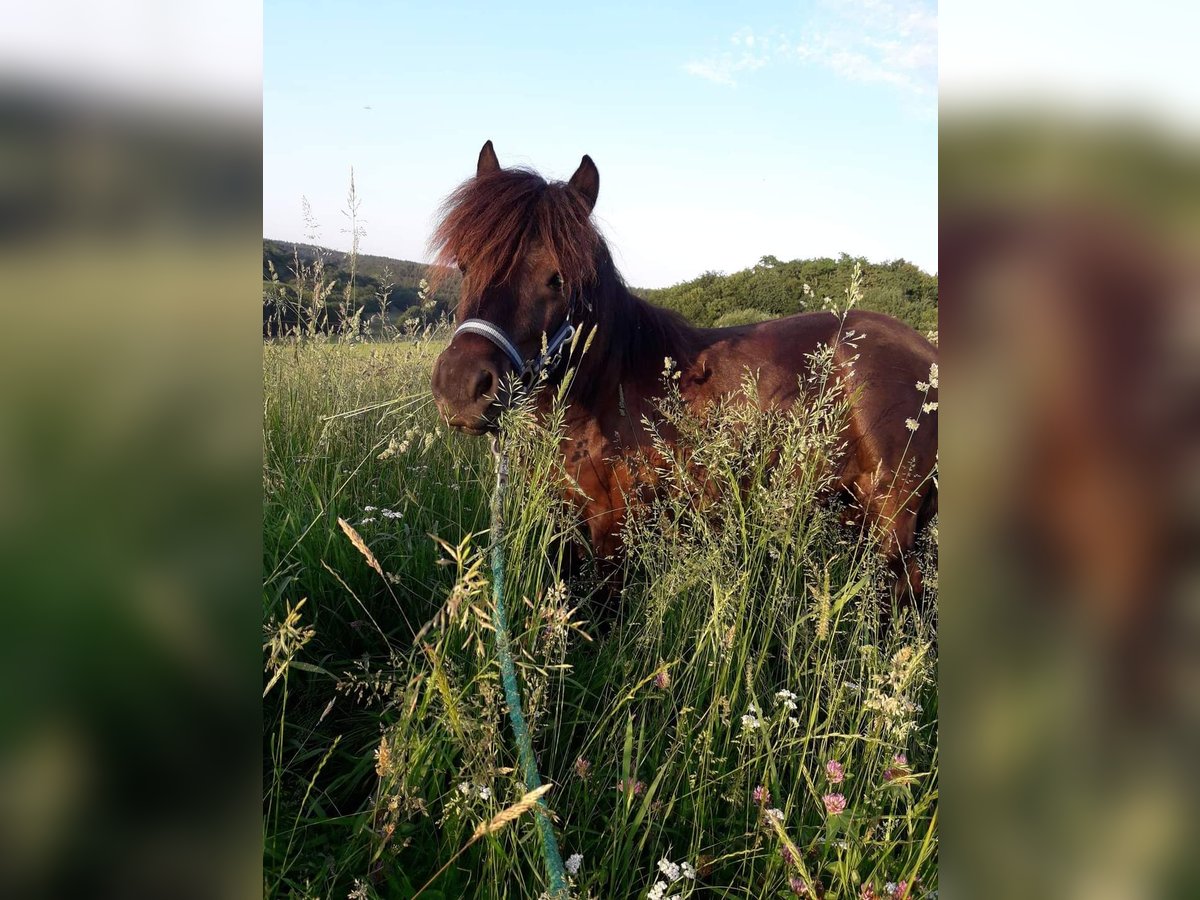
{"x": 753, "y": 723}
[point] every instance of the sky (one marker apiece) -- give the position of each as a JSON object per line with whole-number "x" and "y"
{"x": 723, "y": 132}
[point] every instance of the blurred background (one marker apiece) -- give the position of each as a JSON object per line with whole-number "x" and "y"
{"x": 130, "y": 449}
{"x": 130, "y": 455}
{"x": 1069, "y": 229}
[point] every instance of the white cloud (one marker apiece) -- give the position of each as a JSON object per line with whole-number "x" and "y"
{"x": 753, "y": 53}
{"x": 866, "y": 41}
{"x": 721, "y": 69}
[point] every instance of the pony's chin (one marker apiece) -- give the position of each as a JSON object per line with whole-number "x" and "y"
{"x": 476, "y": 428}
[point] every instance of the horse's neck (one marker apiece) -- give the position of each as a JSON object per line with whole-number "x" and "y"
{"x": 647, "y": 336}
{"x": 623, "y": 372}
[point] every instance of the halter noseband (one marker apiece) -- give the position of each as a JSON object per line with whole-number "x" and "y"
{"x": 527, "y": 369}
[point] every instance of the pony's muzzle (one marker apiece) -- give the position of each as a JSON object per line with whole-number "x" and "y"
{"x": 466, "y": 382}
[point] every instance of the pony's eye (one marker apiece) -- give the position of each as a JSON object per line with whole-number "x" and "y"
{"x": 555, "y": 282}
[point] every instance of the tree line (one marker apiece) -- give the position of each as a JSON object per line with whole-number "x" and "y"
{"x": 307, "y": 288}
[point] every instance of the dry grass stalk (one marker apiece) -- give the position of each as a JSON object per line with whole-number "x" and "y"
{"x": 361, "y": 545}
{"x": 514, "y": 812}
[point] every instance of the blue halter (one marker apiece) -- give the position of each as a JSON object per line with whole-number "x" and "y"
{"x": 528, "y": 369}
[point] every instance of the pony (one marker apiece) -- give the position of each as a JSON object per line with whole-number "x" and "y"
{"x": 535, "y": 270}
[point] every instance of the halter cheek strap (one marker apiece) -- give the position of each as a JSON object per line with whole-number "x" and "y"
{"x": 546, "y": 360}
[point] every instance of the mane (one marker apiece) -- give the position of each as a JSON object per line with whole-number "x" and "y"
{"x": 493, "y": 220}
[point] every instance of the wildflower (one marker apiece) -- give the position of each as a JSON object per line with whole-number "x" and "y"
{"x": 762, "y": 796}
{"x": 786, "y": 855}
{"x": 776, "y": 814}
{"x": 900, "y": 890}
{"x": 868, "y": 892}
{"x": 796, "y": 883}
{"x": 367, "y": 521}
{"x": 933, "y": 375}
{"x": 485, "y": 793}
{"x": 370, "y": 508}
{"x": 923, "y": 386}
{"x": 574, "y": 861}
{"x": 898, "y": 768}
{"x": 636, "y": 787}
{"x": 750, "y": 722}
{"x": 668, "y": 868}
{"x": 359, "y": 892}
{"x": 890, "y": 888}
{"x": 793, "y": 721}
{"x": 662, "y": 680}
{"x": 911, "y": 424}
{"x": 929, "y": 407}
{"x": 834, "y": 803}
{"x": 834, "y": 771}
{"x": 582, "y": 767}
{"x": 687, "y": 869}
{"x": 786, "y": 698}
{"x": 656, "y": 892}
{"x": 464, "y": 788}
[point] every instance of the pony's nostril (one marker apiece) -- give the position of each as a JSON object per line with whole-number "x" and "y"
{"x": 484, "y": 382}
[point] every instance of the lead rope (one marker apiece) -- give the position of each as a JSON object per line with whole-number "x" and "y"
{"x": 508, "y": 675}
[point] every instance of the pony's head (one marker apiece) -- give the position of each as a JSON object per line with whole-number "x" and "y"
{"x": 529, "y": 256}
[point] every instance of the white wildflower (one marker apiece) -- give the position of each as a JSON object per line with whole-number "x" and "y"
{"x": 776, "y": 814}
{"x": 656, "y": 892}
{"x": 929, "y": 407}
{"x": 464, "y": 788}
{"x": 933, "y": 375}
{"x": 367, "y": 521}
{"x": 668, "y": 868}
{"x": 370, "y": 508}
{"x": 750, "y": 722}
{"x": 485, "y": 793}
{"x": 911, "y": 424}
{"x": 786, "y": 699}
{"x": 688, "y": 870}
{"x": 574, "y": 861}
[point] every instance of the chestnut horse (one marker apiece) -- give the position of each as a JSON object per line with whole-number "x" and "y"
{"x": 535, "y": 269}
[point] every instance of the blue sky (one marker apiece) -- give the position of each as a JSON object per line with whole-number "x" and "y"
{"x": 722, "y": 132}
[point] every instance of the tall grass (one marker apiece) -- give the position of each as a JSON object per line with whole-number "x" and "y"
{"x": 746, "y": 727}
{"x": 714, "y": 729}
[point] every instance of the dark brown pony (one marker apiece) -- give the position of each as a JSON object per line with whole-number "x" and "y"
{"x": 532, "y": 260}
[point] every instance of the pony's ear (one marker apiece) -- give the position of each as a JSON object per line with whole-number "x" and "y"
{"x": 586, "y": 181}
{"x": 487, "y": 161}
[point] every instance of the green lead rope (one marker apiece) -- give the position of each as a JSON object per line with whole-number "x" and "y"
{"x": 508, "y": 675}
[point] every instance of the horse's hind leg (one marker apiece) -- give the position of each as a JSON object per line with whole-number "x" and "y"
{"x": 896, "y": 514}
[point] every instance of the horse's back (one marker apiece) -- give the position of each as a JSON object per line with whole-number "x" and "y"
{"x": 887, "y": 356}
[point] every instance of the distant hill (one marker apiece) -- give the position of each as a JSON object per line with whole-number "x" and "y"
{"x": 769, "y": 289}
{"x": 372, "y": 279}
